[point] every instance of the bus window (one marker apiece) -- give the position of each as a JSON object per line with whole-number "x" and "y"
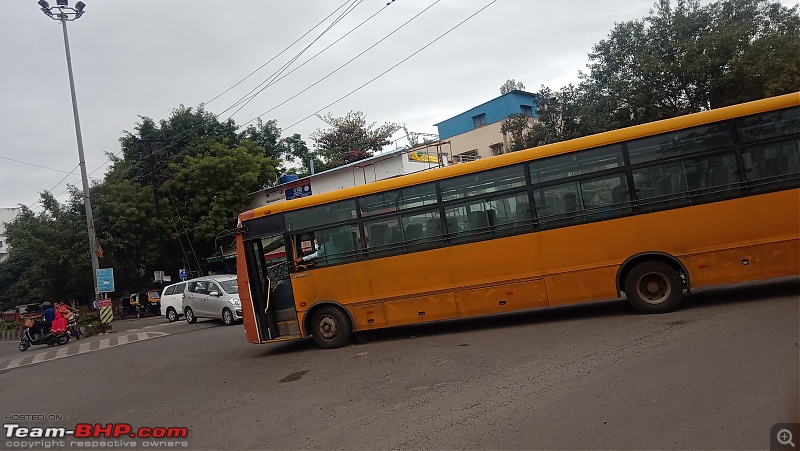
{"x": 769, "y": 125}
{"x": 773, "y": 165}
{"x": 570, "y": 165}
{"x": 330, "y": 246}
{"x": 683, "y": 142}
{"x": 558, "y": 205}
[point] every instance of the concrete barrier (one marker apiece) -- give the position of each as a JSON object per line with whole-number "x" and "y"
{"x": 10, "y": 335}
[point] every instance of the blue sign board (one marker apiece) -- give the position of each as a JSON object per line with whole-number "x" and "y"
{"x": 298, "y": 191}
{"x": 182, "y": 273}
{"x": 105, "y": 280}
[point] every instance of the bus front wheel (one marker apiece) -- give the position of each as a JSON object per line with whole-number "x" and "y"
{"x": 654, "y": 287}
{"x": 331, "y": 327}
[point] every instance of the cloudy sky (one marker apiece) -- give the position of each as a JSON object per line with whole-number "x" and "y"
{"x": 147, "y": 57}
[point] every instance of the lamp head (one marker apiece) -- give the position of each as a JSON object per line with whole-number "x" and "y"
{"x": 44, "y": 4}
{"x": 62, "y": 2}
{"x": 79, "y": 6}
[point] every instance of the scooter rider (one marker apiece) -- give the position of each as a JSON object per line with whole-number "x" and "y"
{"x": 43, "y": 327}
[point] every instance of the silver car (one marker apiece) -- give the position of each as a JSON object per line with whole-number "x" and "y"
{"x": 213, "y": 297}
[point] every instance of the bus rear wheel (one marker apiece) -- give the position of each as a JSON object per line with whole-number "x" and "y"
{"x": 653, "y": 287}
{"x": 331, "y": 327}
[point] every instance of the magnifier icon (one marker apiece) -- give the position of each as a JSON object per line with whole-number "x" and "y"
{"x": 785, "y": 437}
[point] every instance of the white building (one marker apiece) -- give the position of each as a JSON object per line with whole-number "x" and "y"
{"x": 384, "y": 165}
{"x": 6, "y": 215}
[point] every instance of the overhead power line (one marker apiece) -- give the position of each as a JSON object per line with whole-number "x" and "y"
{"x": 391, "y": 68}
{"x": 345, "y": 64}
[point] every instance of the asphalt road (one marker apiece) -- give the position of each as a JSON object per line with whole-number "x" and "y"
{"x": 715, "y": 374}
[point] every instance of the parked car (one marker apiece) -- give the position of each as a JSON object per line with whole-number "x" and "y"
{"x": 172, "y": 301}
{"x": 213, "y": 297}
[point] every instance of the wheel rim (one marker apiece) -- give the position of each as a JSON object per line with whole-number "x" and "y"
{"x": 228, "y": 316}
{"x": 328, "y": 327}
{"x": 171, "y": 314}
{"x": 189, "y": 314}
{"x": 653, "y": 288}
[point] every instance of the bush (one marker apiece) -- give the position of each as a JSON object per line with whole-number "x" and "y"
{"x": 88, "y": 319}
{"x": 9, "y": 325}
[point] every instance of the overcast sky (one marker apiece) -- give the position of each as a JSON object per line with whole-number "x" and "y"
{"x": 147, "y": 57}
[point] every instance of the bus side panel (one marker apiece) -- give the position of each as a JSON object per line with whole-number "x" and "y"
{"x": 502, "y": 298}
{"x": 581, "y": 286}
{"x": 369, "y": 316}
{"x": 746, "y": 263}
{"x": 421, "y": 309}
{"x": 244, "y": 293}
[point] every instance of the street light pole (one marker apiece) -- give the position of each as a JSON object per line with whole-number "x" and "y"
{"x": 64, "y": 13}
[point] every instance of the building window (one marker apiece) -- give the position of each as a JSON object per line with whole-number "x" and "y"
{"x": 497, "y": 149}
{"x": 465, "y": 157}
{"x": 527, "y": 110}
{"x": 479, "y": 120}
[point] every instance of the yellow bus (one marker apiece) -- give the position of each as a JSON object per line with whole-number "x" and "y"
{"x": 649, "y": 211}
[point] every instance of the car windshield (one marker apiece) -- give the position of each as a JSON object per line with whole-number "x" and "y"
{"x": 230, "y": 286}
{"x": 154, "y": 295}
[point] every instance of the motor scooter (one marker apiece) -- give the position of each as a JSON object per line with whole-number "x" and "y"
{"x": 72, "y": 326}
{"x": 46, "y": 338}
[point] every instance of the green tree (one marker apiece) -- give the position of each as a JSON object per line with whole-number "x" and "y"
{"x": 212, "y": 188}
{"x": 350, "y": 138}
{"x": 49, "y": 258}
{"x": 151, "y": 214}
{"x": 687, "y": 57}
{"x": 511, "y": 85}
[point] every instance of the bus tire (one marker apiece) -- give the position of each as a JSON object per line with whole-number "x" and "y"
{"x": 331, "y": 327}
{"x": 653, "y": 287}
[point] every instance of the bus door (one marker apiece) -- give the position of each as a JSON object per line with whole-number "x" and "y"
{"x": 271, "y": 287}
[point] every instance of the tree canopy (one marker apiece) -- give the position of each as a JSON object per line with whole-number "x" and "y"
{"x": 350, "y": 138}
{"x": 511, "y": 85}
{"x": 681, "y": 58}
{"x": 176, "y": 185}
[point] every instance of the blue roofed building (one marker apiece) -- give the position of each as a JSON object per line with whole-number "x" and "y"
{"x": 476, "y": 133}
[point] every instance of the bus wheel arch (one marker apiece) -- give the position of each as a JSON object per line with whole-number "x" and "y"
{"x": 653, "y": 282}
{"x": 329, "y": 323}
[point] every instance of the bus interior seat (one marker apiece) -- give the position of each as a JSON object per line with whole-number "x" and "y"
{"x": 619, "y": 195}
{"x": 478, "y": 220}
{"x": 414, "y": 232}
{"x": 378, "y": 234}
{"x": 395, "y": 234}
{"x": 523, "y": 212}
{"x": 491, "y": 216}
{"x": 433, "y": 228}
{"x": 570, "y": 203}
{"x": 452, "y": 224}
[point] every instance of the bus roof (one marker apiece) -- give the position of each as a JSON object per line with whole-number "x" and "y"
{"x": 586, "y": 142}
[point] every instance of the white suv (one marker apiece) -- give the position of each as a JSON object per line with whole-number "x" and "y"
{"x": 172, "y": 301}
{"x": 213, "y": 297}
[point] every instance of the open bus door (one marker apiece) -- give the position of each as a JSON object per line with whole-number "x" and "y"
{"x": 272, "y": 298}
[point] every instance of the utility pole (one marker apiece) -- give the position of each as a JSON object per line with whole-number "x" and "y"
{"x": 150, "y": 160}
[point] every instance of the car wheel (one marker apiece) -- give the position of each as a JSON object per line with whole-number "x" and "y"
{"x": 227, "y": 317}
{"x": 190, "y": 318}
{"x": 172, "y": 315}
{"x": 331, "y": 327}
{"x": 654, "y": 287}
{"x": 24, "y": 344}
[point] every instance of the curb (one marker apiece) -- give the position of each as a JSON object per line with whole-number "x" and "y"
{"x": 10, "y": 335}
